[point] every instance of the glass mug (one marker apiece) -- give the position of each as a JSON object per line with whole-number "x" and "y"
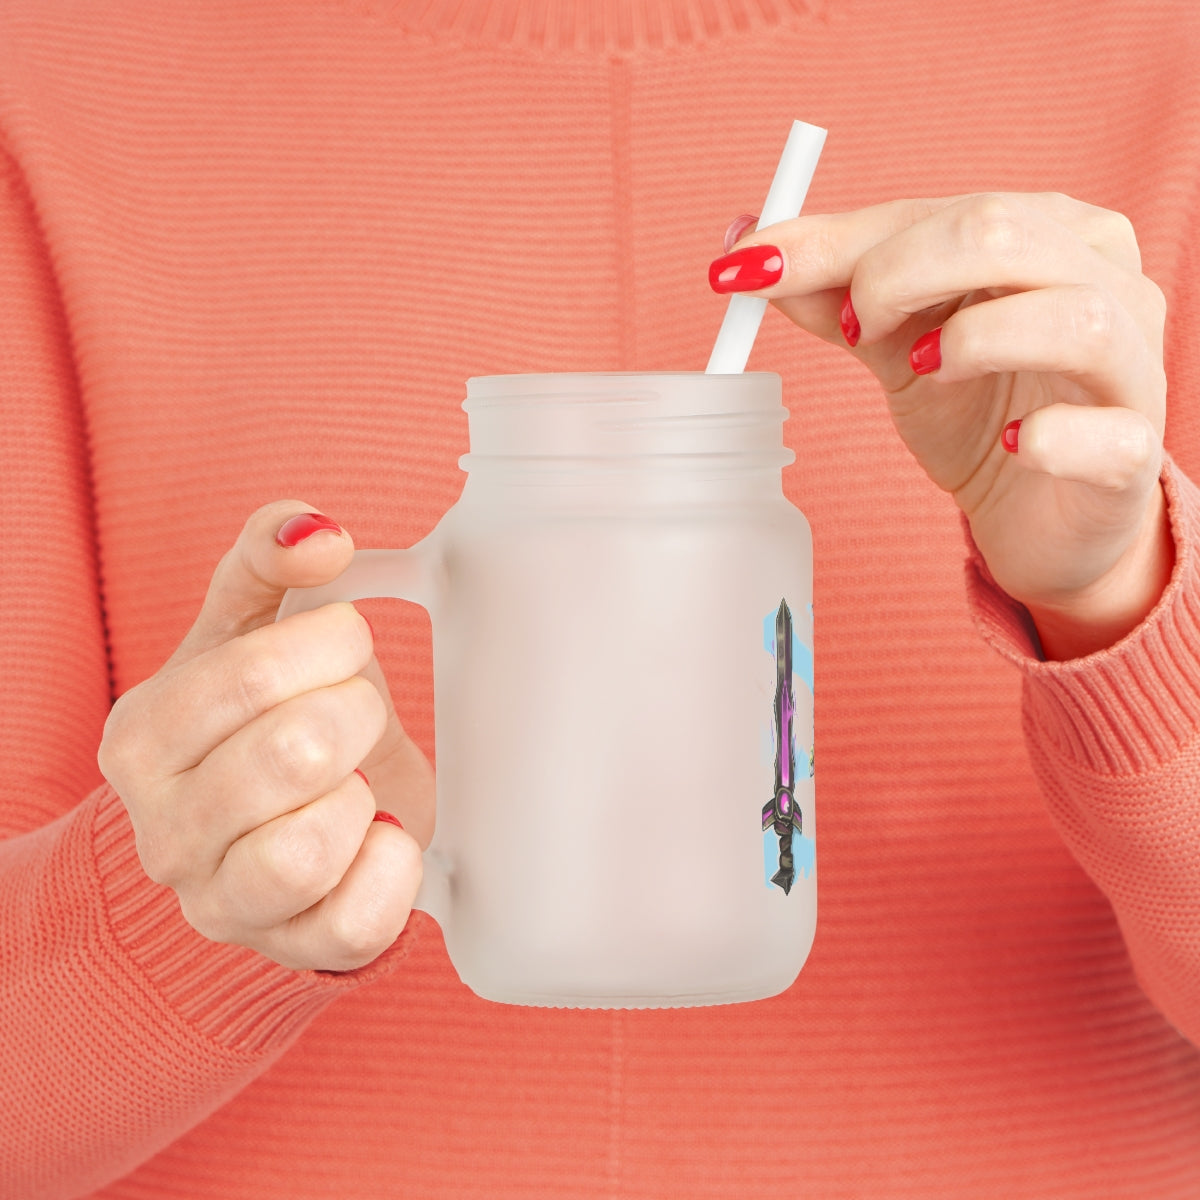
{"x": 622, "y": 632}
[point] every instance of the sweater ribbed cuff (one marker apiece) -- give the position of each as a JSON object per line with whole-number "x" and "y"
{"x": 236, "y": 997}
{"x": 1125, "y": 709}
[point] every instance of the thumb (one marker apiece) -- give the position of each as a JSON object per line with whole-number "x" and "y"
{"x": 283, "y": 545}
{"x": 1115, "y": 450}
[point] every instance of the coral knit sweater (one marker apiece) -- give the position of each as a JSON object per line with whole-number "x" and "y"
{"x": 251, "y": 251}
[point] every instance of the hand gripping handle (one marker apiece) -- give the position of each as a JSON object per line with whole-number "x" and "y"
{"x": 403, "y": 575}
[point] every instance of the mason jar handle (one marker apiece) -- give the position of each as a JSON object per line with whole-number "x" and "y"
{"x": 397, "y": 574}
{"x": 388, "y": 574}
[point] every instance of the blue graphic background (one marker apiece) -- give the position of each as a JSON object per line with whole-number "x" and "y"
{"x": 804, "y": 853}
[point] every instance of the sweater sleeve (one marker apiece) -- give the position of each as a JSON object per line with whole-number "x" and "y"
{"x": 1114, "y": 739}
{"x": 120, "y": 1027}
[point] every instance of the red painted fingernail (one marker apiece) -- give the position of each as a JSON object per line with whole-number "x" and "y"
{"x": 1009, "y": 436}
{"x": 295, "y": 529}
{"x": 746, "y": 270}
{"x": 362, "y": 776}
{"x": 380, "y": 815}
{"x": 737, "y": 227}
{"x": 851, "y": 330}
{"x": 926, "y": 353}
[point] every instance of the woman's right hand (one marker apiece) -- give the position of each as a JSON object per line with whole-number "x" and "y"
{"x": 237, "y": 762}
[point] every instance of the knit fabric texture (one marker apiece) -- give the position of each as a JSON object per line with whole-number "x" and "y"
{"x": 253, "y": 251}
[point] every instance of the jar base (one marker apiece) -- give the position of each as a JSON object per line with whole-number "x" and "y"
{"x": 594, "y": 1001}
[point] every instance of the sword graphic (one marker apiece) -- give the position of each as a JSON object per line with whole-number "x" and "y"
{"x": 780, "y": 812}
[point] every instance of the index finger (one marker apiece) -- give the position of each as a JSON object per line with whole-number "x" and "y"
{"x": 190, "y": 709}
{"x": 821, "y": 250}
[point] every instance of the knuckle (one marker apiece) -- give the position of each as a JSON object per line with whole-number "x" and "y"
{"x": 1113, "y": 235}
{"x": 120, "y": 751}
{"x": 994, "y": 226}
{"x": 1116, "y": 476}
{"x": 878, "y": 286}
{"x": 1059, "y": 206}
{"x": 361, "y": 933}
{"x": 1140, "y": 446}
{"x": 1126, "y": 450}
{"x": 1117, "y": 229}
{"x": 112, "y": 752}
{"x": 1090, "y": 317}
{"x": 299, "y": 751}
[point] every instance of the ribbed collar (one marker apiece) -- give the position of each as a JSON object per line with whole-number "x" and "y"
{"x": 589, "y": 25}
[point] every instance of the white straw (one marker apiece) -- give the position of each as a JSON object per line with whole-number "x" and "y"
{"x": 788, "y": 189}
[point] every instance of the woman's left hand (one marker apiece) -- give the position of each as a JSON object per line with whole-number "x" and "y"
{"x": 978, "y": 312}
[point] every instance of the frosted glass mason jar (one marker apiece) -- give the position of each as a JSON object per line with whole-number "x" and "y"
{"x": 622, "y": 649}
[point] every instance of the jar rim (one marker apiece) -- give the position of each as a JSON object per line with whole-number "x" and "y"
{"x": 571, "y": 385}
